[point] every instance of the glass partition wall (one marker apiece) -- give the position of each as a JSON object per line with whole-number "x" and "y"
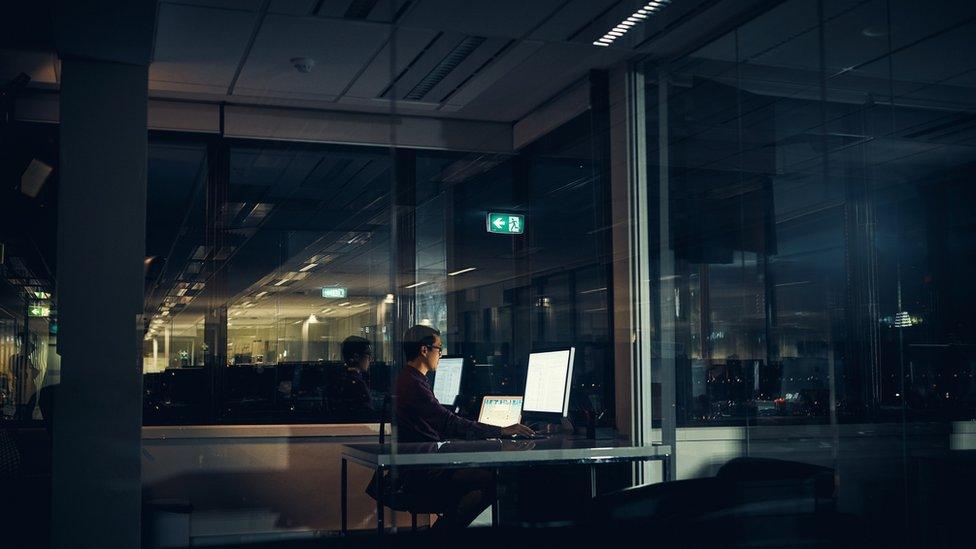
{"x": 269, "y": 255}
{"x": 813, "y": 172}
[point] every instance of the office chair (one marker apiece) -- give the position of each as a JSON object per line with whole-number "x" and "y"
{"x": 394, "y": 498}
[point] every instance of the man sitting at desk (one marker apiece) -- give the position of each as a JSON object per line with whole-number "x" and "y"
{"x": 465, "y": 493}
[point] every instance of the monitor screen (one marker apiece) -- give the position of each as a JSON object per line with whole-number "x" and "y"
{"x": 447, "y": 380}
{"x": 501, "y": 411}
{"x": 547, "y": 381}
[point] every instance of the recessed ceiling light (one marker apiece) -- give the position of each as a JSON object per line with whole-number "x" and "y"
{"x": 308, "y": 267}
{"x": 417, "y": 284}
{"x": 261, "y": 294}
{"x": 462, "y": 271}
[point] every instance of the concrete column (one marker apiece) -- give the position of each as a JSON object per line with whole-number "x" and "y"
{"x": 101, "y": 247}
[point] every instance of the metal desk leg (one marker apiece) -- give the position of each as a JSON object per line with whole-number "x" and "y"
{"x": 379, "y": 504}
{"x": 494, "y": 502}
{"x": 592, "y": 481}
{"x": 344, "y": 502}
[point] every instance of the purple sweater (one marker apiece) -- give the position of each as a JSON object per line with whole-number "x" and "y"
{"x": 422, "y": 419}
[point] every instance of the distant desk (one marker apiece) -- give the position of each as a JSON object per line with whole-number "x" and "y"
{"x": 494, "y": 453}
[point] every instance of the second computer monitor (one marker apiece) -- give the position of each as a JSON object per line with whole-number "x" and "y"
{"x": 547, "y": 382}
{"x": 447, "y": 380}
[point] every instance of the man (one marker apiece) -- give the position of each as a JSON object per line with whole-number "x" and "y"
{"x": 351, "y": 395}
{"x": 25, "y": 375}
{"x": 464, "y": 493}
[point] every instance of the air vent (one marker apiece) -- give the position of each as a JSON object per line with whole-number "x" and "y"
{"x": 359, "y": 9}
{"x": 444, "y": 67}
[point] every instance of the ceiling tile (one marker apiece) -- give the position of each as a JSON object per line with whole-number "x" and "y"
{"x": 244, "y": 5}
{"x": 507, "y": 18}
{"x": 543, "y": 74}
{"x": 571, "y": 18}
{"x": 371, "y": 83}
{"x": 340, "y": 50}
{"x": 199, "y": 47}
{"x": 292, "y": 7}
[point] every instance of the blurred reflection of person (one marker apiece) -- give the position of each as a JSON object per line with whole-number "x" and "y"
{"x": 350, "y": 395}
{"x": 25, "y": 377}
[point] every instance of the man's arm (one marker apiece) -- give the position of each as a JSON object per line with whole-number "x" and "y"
{"x": 450, "y": 424}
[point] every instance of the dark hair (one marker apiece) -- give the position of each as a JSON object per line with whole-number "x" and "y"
{"x": 354, "y": 348}
{"x": 417, "y": 337}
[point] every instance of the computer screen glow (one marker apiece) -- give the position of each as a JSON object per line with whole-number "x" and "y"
{"x": 547, "y": 381}
{"x": 447, "y": 380}
{"x": 501, "y": 411}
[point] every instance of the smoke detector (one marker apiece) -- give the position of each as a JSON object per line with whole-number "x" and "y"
{"x": 303, "y": 64}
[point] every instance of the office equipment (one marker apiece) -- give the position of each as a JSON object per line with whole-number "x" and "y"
{"x": 493, "y": 454}
{"x": 500, "y": 411}
{"x": 447, "y": 380}
{"x": 547, "y": 382}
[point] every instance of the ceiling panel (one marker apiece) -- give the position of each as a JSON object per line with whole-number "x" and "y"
{"x": 507, "y": 18}
{"x": 570, "y": 19}
{"x": 340, "y": 49}
{"x": 198, "y": 47}
{"x": 381, "y": 12}
{"x": 512, "y": 58}
{"x": 543, "y": 74}
{"x": 483, "y": 54}
{"x": 241, "y": 5}
{"x": 292, "y": 7}
{"x": 371, "y": 83}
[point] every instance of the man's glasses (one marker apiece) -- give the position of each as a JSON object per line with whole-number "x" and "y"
{"x": 440, "y": 350}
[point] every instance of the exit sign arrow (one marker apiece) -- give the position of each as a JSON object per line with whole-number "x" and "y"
{"x": 505, "y": 223}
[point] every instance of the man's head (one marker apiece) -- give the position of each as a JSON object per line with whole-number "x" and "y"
{"x": 422, "y": 347}
{"x": 357, "y": 353}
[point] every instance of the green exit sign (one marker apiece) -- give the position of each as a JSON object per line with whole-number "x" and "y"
{"x": 505, "y": 223}
{"x": 334, "y": 293}
{"x": 39, "y": 311}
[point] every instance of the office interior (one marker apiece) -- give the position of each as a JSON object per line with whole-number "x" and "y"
{"x": 750, "y": 221}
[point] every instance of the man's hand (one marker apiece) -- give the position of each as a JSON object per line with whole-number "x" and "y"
{"x": 517, "y": 429}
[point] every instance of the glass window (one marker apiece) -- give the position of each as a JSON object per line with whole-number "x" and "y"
{"x": 818, "y": 215}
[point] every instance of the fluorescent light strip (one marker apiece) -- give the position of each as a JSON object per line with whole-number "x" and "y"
{"x": 417, "y": 284}
{"x": 462, "y": 271}
{"x": 308, "y": 267}
{"x": 261, "y": 294}
{"x": 633, "y": 19}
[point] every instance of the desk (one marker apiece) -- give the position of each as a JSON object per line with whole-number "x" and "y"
{"x": 494, "y": 453}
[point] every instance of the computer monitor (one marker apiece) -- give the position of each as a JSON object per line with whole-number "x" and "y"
{"x": 447, "y": 380}
{"x": 500, "y": 411}
{"x": 547, "y": 382}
